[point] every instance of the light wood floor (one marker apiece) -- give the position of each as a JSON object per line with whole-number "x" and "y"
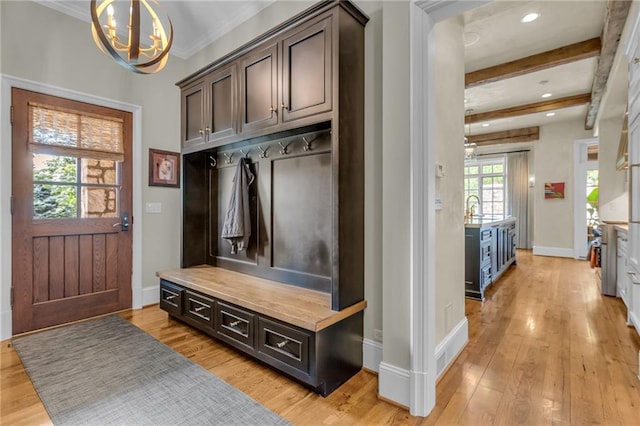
{"x": 544, "y": 348}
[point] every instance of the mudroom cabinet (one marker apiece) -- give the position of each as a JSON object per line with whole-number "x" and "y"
{"x": 290, "y": 105}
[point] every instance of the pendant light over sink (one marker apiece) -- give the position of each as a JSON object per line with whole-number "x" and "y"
{"x": 469, "y": 147}
{"x": 142, "y": 45}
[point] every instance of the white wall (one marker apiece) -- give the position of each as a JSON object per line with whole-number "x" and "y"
{"x": 396, "y": 185}
{"x": 67, "y": 58}
{"x": 449, "y": 95}
{"x": 553, "y": 218}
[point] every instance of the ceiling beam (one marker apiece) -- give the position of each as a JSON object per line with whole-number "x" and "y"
{"x": 526, "y": 134}
{"x": 615, "y": 17}
{"x": 543, "y": 106}
{"x": 541, "y": 61}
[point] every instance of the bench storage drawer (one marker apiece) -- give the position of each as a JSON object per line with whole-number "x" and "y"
{"x": 199, "y": 308}
{"x": 284, "y": 343}
{"x": 235, "y": 325}
{"x": 171, "y": 297}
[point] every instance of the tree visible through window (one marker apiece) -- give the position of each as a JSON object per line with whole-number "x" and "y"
{"x": 485, "y": 178}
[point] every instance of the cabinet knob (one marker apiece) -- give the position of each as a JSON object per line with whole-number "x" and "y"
{"x": 207, "y": 129}
{"x": 201, "y": 131}
{"x": 284, "y": 107}
{"x": 636, "y": 60}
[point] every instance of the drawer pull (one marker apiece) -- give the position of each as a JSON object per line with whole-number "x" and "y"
{"x": 173, "y": 296}
{"x": 199, "y": 308}
{"x": 234, "y": 323}
{"x": 282, "y": 344}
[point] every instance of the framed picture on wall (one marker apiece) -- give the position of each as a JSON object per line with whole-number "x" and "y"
{"x": 554, "y": 190}
{"x": 164, "y": 168}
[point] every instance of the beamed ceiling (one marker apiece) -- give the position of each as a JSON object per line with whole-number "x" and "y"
{"x": 568, "y": 52}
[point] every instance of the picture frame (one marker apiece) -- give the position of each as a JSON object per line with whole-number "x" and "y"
{"x": 164, "y": 168}
{"x": 554, "y": 190}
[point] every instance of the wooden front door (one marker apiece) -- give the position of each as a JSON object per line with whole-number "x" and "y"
{"x": 71, "y": 168}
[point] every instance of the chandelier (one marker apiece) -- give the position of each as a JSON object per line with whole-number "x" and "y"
{"x": 469, "y": 147}
{"x": 131, "y": 51}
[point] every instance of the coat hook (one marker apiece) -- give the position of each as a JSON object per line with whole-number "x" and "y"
{"x": 263, "y": 152}
{"x": 229, "y": 159}
{"x": 283, "y": 151}
{"x": 245, "y": 154}
{"x": 212, "y": 162}
{"x": 307, "y": 144}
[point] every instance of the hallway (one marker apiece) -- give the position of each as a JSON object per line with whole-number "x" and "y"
{"x": 545, "y": 347}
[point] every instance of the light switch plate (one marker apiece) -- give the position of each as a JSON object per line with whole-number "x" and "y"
{"x": 153, "y": 208}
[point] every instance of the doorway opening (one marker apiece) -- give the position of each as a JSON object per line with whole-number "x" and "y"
{"x": 586, "y": 214}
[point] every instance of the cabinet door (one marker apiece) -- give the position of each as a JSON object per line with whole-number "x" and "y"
{"x": 193, "y": 105}
{"x": 621, "y": 274}
{"x": 306, "y": 71}
{"x": 222, "y": 118}
{"x": 258, "y": 89}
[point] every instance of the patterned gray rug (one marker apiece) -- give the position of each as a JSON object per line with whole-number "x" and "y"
{"x": 109, "y": 372}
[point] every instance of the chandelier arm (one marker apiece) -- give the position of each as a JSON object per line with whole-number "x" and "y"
{"x": 105, "y": 42}
{"x": 164, "y": 53}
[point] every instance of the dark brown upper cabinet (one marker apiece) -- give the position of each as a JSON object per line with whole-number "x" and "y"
{"x": 259, "y": 88}
{"x": 193, "y": 102}
{"x": 306, "y": 71}
{"x": 210, "y": 108}
{"x": 288, "y": 79}
{"x": 282, "y": 83}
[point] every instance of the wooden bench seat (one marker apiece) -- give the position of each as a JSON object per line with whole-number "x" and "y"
{"x": 307, "y": 309}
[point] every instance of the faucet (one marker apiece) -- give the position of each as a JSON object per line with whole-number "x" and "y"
{"x": 470, "y": 211}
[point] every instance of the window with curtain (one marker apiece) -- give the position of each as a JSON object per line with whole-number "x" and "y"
{"x": 485, "y": 178}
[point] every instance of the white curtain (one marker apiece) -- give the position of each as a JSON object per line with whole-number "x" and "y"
{"x": 518, "y": 195}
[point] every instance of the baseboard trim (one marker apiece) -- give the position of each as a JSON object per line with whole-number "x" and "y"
{"x": 635, "y": 322}
{"x": 371, "y": 355}
{"x": 553, "y": 251}
{"x": 150, "y": 295}
{"x": 450, "y": 347}
{"x": 394, "y": 384}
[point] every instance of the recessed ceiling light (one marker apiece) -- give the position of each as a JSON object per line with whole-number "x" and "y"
{"x": 530, "y": 17}
{"x": 486, "y": 124}
{"x": 546, "y": 95}
{"x": 550, "y": 114}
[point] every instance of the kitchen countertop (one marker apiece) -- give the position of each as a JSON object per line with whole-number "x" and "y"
{"x": 621, "y": 227}
{"x": 481, "y": 221}
{"x": 618, "y": 225}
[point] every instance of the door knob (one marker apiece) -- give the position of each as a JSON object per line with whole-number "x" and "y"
{"x": 124, "y": 222}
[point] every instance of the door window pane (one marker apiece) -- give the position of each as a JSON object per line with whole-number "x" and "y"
{"x": 98, "y": 171}
{"x": 99, "y": 202}
{"x": 54, "y": 201}
{"x": 54, "y": 168}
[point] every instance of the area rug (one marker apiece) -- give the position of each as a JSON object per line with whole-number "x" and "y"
{"x": 109, "y": 372}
